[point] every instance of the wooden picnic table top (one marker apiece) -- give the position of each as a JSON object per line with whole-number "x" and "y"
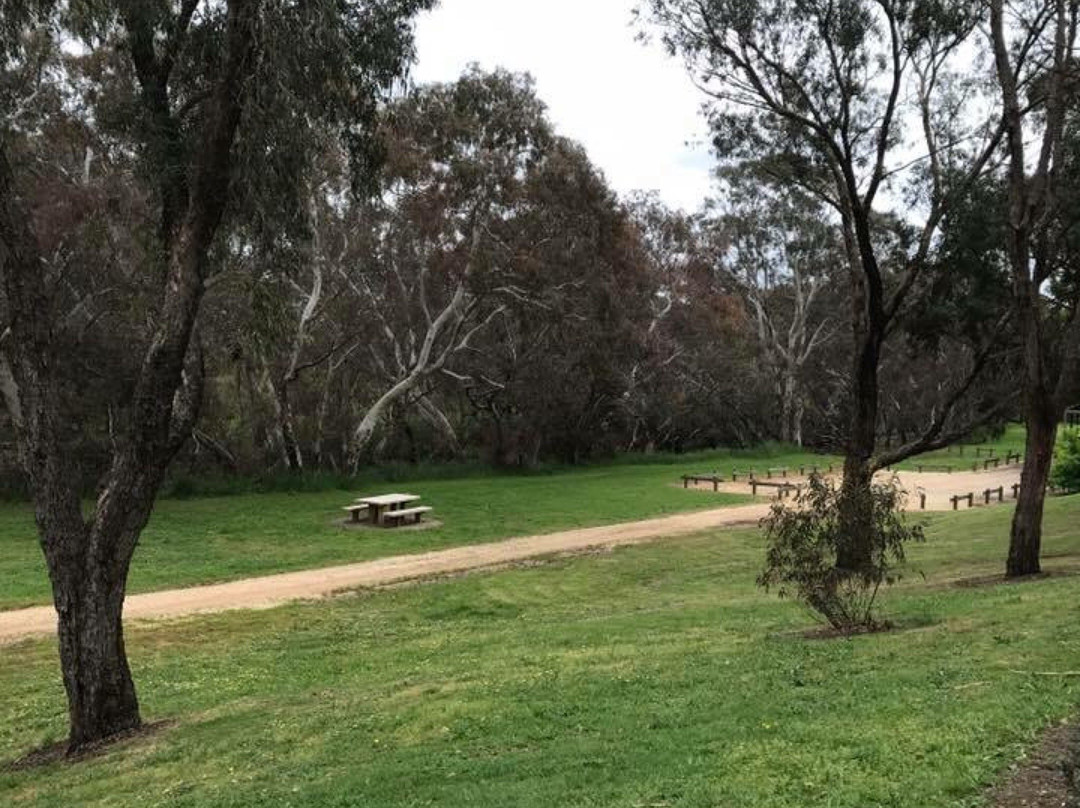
{"x": 388, "y": 499}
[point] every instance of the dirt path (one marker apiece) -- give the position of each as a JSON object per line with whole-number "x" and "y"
{"x": 273, "y": 590}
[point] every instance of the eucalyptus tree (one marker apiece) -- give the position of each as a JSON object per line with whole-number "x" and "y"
{"x": 1035, "y": 58}
{"x": 697, "y": 384}
{"x": 819, "y": 92}
{"x": 782, "y": 252}
{"x": 434, "y": 269}
{"x": 212, "y": 103}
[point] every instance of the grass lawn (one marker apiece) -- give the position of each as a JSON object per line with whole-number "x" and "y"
{"x": 192, "y": 541}
{"x": 962, "y": 456}
{"x": 656, "y": 675}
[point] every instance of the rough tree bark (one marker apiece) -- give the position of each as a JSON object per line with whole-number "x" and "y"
{"x": 88, "y": 558}
{"x": 1050, "y": 370}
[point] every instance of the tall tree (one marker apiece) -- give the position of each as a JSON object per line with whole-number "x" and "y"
{"x": 818, "y": 92}
{"x": 1035, "y": 56}
{"x": 196, "y": 90}
{"x": 781, "y": 252}
{"x": 458, "y": 159}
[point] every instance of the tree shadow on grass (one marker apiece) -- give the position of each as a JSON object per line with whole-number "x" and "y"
{"x": 58, "y": 752}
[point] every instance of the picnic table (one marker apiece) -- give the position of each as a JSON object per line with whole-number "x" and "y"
{"x": 390, "y": 508}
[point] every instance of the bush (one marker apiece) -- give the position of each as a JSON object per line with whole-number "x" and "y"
{"x": 1066, "y": 471}
{"x": 802, "y": 544}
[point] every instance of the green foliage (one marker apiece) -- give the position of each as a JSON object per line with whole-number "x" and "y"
{"x": 1066, "y": 471}
{"x": 655, "y": 675}
{"x": 806, "y": 539}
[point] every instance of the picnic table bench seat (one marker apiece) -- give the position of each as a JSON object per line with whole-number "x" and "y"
{"x": 356, "y": 511}
{"x": 406, "y": 513}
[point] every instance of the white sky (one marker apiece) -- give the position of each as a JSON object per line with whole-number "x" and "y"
{"x": 631, "y": 106}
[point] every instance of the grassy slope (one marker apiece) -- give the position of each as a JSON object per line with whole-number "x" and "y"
{"x": 222, "y": 538}
{"x": 656, "y": 675}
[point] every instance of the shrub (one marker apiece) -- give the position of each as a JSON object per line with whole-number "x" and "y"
{"x": 802, "y": 544}
{"x": 1066, "y": 471}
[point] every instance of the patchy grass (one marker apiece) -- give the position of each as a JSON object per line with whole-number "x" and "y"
{"x": 657, "y": 675}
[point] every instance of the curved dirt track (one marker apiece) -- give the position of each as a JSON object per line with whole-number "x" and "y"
{"x": 274, "y": 590}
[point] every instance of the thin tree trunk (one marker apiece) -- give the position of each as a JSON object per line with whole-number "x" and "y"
{"x": 289, "y": 445}
{"x": 854, "y": 552}
{"x": 437, "y": 418}
{"x": 1025, "y": 540}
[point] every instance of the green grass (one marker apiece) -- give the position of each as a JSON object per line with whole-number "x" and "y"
{"x": 211, "y": 539}
{"x": 194, "y": 541}
{"x": 962, "y": 456}
{"x": 657, "y": 675}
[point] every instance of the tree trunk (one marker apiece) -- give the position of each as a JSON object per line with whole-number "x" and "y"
{"x": 797, "y": 421}
{"x": 854, "y": 552}
{"x": 363, "y": 434}
{"x": 289, "y": 446}
{"x": 88, "y": 571}
{"x": 787, "y": 406}
{"x": 101, "y": 694}
{"x": 1025, "y": 541}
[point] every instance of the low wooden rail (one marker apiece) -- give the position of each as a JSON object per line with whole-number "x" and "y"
{"x": 989, "y": 492}
{"x": 815, "y": 470}
{"x": 701, "y": 478}
{"x": 783, "y": 489}
{"x": 921, "y": 467}
{"x": 956, "y": 500}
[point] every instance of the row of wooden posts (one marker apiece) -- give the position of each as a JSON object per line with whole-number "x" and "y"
{"x": 987, "y": 495}
{"x": 751, "y": 475}
{"x": 983, "y": 465}
{"x": 988, "y": 451}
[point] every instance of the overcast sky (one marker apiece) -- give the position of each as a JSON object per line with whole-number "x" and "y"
{"x": 629, "y": 104}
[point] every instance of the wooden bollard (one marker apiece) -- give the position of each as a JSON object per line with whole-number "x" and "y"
{"x": 922, "y": 501}
{"x": 956, "y": 503}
